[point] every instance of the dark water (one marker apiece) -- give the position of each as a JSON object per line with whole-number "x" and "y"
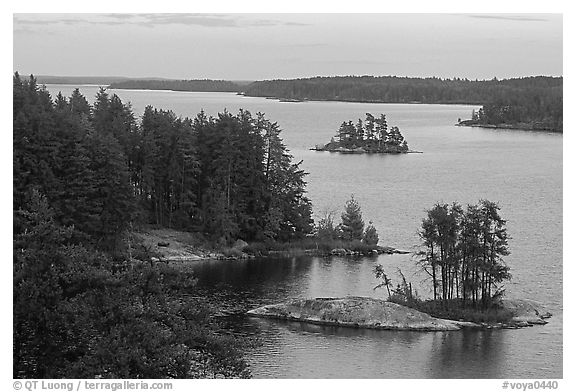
{"x": 521, "y": 170}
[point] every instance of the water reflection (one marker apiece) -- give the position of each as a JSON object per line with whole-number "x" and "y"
{"x": 302, "y": 350}
{"x": 466, "y": 354}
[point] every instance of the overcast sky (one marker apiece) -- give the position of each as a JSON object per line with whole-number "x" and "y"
{"x": 268, "y": 46}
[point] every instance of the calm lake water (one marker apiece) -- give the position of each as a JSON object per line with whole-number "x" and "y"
{"x": 521, "y": 170}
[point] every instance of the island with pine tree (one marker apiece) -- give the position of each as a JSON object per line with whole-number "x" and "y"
{"x": 369, "y": 136}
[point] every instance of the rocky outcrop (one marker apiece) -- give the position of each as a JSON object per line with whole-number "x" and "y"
{"x": 240, "y": 245}
{"x": 526, "y": 312}
{"x": 167, "y": 245}
{"x": 361, "y": 312}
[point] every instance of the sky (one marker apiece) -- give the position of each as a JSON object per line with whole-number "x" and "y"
{"x": 272, "y": 46}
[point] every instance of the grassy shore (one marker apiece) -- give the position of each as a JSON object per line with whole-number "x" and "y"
{"x": 454, "y": 310}
{"x": 167, "y": 245}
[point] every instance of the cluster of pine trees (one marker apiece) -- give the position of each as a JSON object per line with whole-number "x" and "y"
{"x": 372, "y": 135}
{"x": 229, "y": 177}
{"x": 351, "y": 229}
{"x": 464, "y": 252}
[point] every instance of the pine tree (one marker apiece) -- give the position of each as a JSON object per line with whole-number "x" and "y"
{"x": 359, "y": 134}
{"x": 285, "y": 186}
{"x": 113, "y": 194}
{"x": 79, "y": 104}
{"x": 370, "y": 127}
{"x": 370, "y": 236}
{"x": 381, "y": 130}
{"x": 352, "y": 225}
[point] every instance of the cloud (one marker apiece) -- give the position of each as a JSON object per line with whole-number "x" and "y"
{"x": 302, "y": 45}
{"x": 28, "y": 31}
{"x": 151, "y": 20}
{"x": 516, "y": 18}
{"x": 212, "y": 20}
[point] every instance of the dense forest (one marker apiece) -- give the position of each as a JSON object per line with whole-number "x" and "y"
{"x": 203, "y": 85}
{"x": 83, "y": 176}
{"x": 530, "y": 102}
{"x": 394, "y": 89}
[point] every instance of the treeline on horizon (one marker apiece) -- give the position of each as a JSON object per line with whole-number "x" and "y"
{"x": 200, "y": 85}
{"x": 530, "y": 102}
{"x": 533, "y": 101}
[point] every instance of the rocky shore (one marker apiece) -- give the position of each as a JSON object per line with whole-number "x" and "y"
{"x": 362, "y": 150}
{"x": 364, "y": 312}
{"x": 167, "y": 245}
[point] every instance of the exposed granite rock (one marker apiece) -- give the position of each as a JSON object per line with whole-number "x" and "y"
{"x": 240, "y": 245}
{"x": 362, "y": 312}
{"x": 526, "y": 312}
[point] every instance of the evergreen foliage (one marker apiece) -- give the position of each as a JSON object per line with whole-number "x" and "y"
{"x": 372, "y": 135}
{"x": 82, "y": 175}
{"x": 229, "y": 177}
{"x": 79, "y": 313}
{"x": 352, "y": 225}
{"x": 370, "y": 236}
{"x": 531, "y": 100}
{"x": 178, "y": 85}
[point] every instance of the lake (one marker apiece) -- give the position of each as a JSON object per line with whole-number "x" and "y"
{"x": 519, "y": 169}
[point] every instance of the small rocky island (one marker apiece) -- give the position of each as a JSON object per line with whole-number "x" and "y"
{"x": 369, "y": 136}
{"x": 372, "y": 313}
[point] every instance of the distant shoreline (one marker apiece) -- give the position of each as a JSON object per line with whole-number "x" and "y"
{"x": 295, "y": 100}
{"x": 282, "y": 100}
{"x": 518, "y": 126}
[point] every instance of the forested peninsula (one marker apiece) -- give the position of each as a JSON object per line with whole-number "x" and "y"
{"x": 529, "y": 103}
{"x": 89, "y": 299}
{"x": 93, "y": 187}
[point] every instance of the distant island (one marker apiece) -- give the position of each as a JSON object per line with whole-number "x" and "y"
{"x": 369, "y": 136}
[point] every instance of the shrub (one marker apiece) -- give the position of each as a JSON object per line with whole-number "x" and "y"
{"x": 232, "y": 252}
{"x": 370, "y": 236}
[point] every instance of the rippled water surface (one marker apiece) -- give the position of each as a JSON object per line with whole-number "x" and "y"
{"x": 521, "y": 170}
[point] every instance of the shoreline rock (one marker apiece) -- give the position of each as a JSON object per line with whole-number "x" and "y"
{"x": 361, "y": 150}
{"x": 526, "y": 312}
{"x": 358, "y": 312}
{"x": 372, "y": 313}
